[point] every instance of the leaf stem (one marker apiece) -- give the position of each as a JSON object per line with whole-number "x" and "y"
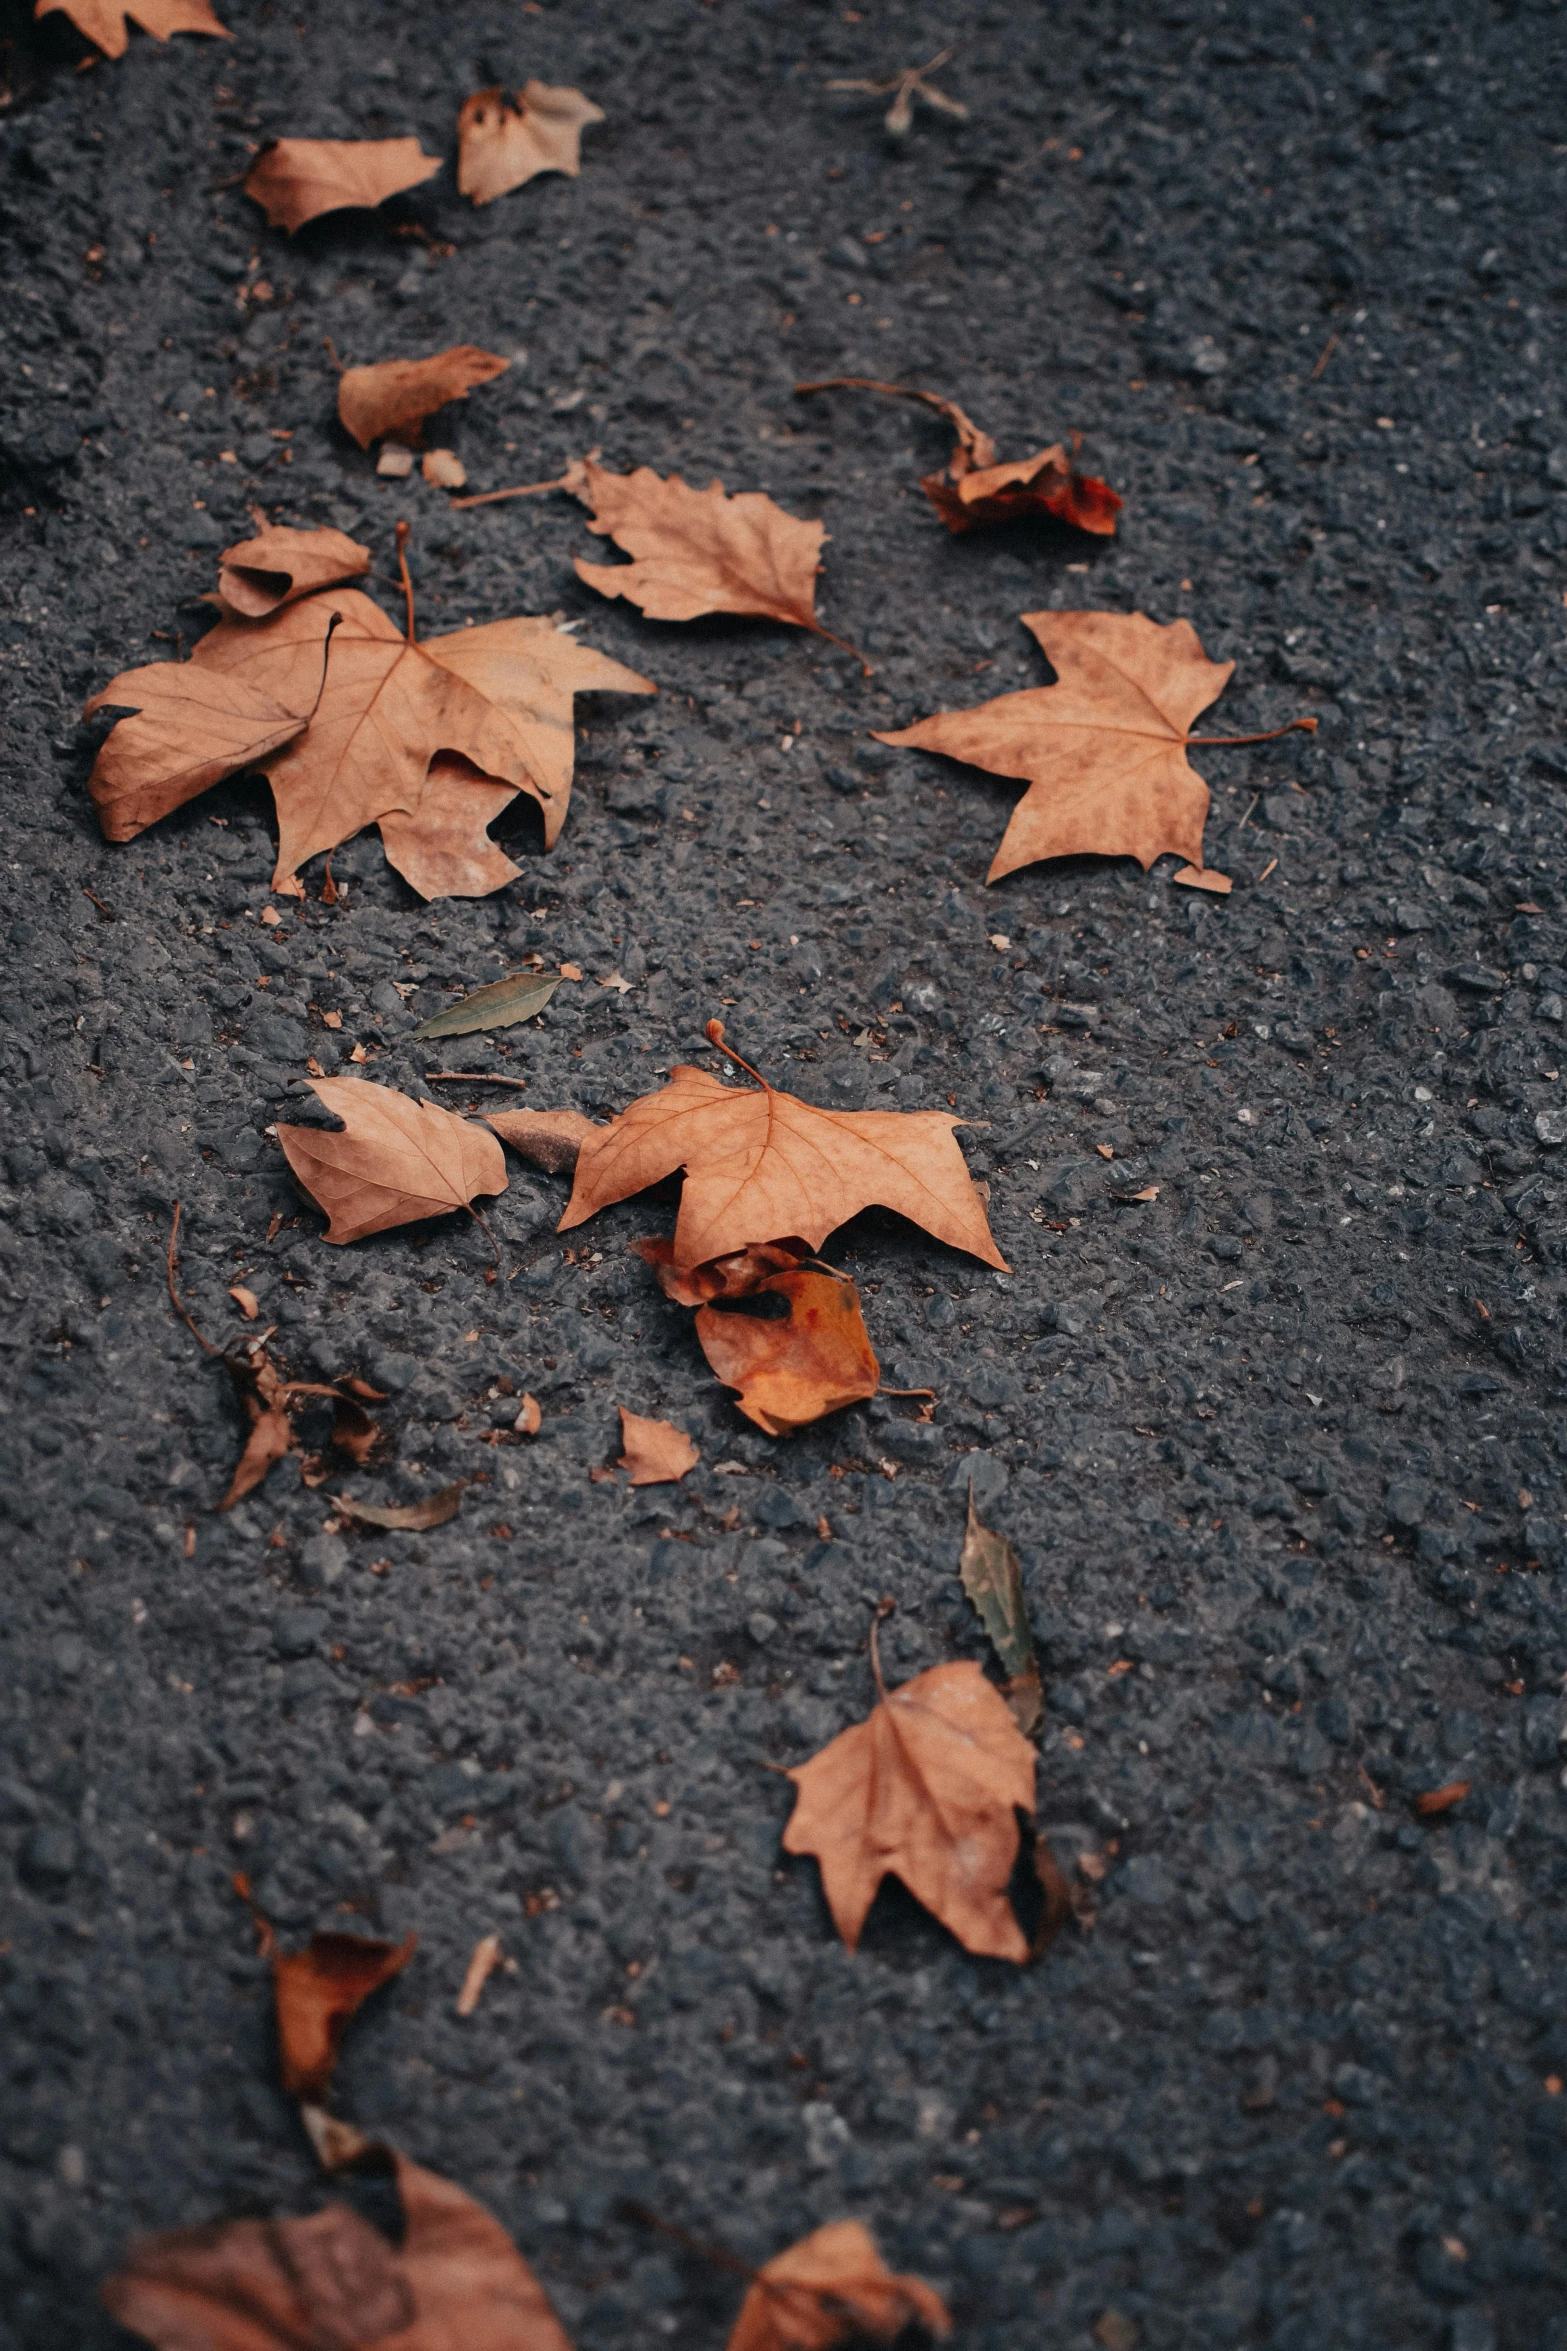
{"x": 472, "y": 1077}
{"x": 523, "y": 490}
{"x": 1307, "y": 726}
{"x": 715, "y": 1036}
{"x": 844, "y": 646}
{"x": 174, "y": 1297}
{"x": 403, "y": 532}
{"x": 883, "y": 1608}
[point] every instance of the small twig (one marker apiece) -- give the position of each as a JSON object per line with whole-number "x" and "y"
{"x": 1325, "y": 355}
{"x": 107, "y": 912}
{"x": 174, "y": 1297}
{"x": 1307, "y": 726}
{"x": 1246, "y": 819}
{"x": 471, "y": 1077}
{"x": 331, "y": 351}
{"x": 523, "y": 490}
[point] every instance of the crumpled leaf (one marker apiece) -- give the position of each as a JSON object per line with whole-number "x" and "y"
{"x": 318, "y": 1992}
{"x": 974, "y": 488}
{"x": 927, "y": 1790}
{"x": 269, "y": 1402}
{"x": 739, "y": 1275}
{"x": 103, "y": 21}
{"x": 761, "y": 1165}
{"x": 396, "y": 395}
{"x": 993, "y": 1580}
{"x": 499, "y": 1006}
{"x": 700, "y": 551}
{"x": 656, "y": 1452}
{"x": 261, "y": 575}
{"x": 502, "y": 142}
{"x": 552, "y": 1139}
{"x": 499, "y": 697}
{"x": 189, "y": 729}
{"x": 331, "y": 2282}
{"x": 790, "y": 1368}
{"x": 395, "y": 1160}
{"x": 406, "y": 1518}
{"x": 829, "y": 2289}
{"x": 1103, "y": 750}
{"x": 295, "y": 180}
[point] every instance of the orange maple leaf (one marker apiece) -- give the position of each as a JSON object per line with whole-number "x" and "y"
{"x": 790, "y": 1369}
{"x": 103, "y": 21}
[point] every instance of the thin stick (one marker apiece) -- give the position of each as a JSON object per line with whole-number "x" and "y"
{"x": 1326, "y": 354}
{"x": 1307, "y": 726}
{"x": 403, "y": 532}
{"x": 883, "y": 1608}
{"x": 524, "y": 490}
{"x": 174, "y": 1297}
{"x": 844, "y": 646}
{"x": 472, "y": 1077}
{"x": 331, "y": 351}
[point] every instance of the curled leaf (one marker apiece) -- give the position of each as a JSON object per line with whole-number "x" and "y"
{"x": 815, "y": 1359}
{"x": 552, "y": 1139}
{"x": 503, "y": 142}
{"x": 295, "y": 180}
{"x": 993, "y": 1580}
{"x": 394, "y": 1161}
{"x": 408, "y": 1518}
{"x": 396, "y": 395}
{"x": 259, "y": 576}
{"x": 829, "y": 2289}
{"x": 656, "y": 1452}
{"x": 318, "y": 1992}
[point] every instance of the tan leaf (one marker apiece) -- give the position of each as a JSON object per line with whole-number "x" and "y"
{"x": 444, "y": 469}
{"x": 529, "y": 1418}
{"x": 317, "y": 1992}
{"x": 396, "y": 395}
{"x": 406, "y": 1518}
{"x": 189, "y": 731}
{"x": 481, "y": 1966}
{"x": 975, "y": 489}
{"x": 789, "y": 1372}
{"x": 246, "y": 1300}
{"x": 760, "y": 1165}
{"x": 829, "y": 2289}
{"x": 295, "y": 180}
{"x": 1196, "y": 877}
{"x": 550, "y": 1138}
{"x": 261, "y": 575}
{"x": 927, "y": 1790}
{"x": 503, "y": 142}
{"x": 331, "y": 2282}
{"x": 103, "y": 21}
{"x": 1104, "y": 749}
{"x": 698, "y": 551}
{"x": 445, "y": 850}
{"x": 395, "y": 463}
{"x": 395, "y": 1161}
{"x": 656, "y": 1452}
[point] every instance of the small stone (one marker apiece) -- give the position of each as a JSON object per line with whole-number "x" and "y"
{"x": 1480, "y": 979}
{"x": 1551, "y": 1125}
{"x": 1548, "y": 1008}
{"x": 48, "y": 1858}
{"x": 444, "y": 469}
{"x": 1407, "y": 1501}
{"x": 395, "y": 463}
{"x": 321, "y": 1561}
{"x": 761, "y": 1627}
{"x": 297, "y": 1631}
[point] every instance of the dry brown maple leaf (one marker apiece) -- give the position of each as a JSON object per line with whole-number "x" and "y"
{"x": 295, "y": 180}
{"x": 396, "y": 395}
{"x": 260, "y": 575}
{"x": 761, "y": 1165}
{"x": 103, "y": 21}
{"x": 832, "y": 2288}
{"x": 656, "y": 1452}
{"x": 396, "y": 1160}
{"x": 791, "y": 1368}
{"x": 503, "y": 142}
{"x": 499, "y": 697}
{"x": 975, "y": 489}
{"x": 927, "y": 1790}
{"x": 318, "y": 1992}
{"x": 1103, "y": 750}
{"x": 331, "y": 2282}
{"x": 700, "y": 551}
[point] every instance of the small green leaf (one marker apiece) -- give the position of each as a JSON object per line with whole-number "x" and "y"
{"x": 499, "y": 1006}
{"x": 993, "y": 1581}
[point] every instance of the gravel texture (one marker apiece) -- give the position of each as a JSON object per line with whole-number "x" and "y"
{"x": 1281, "y": 1451}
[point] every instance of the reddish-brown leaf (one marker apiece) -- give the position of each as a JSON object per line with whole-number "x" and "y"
{"x": 295, "y": 180}
{"x": 790, "y": 1371}
{"x": 318, "y": 1992}
{"x": 260, "y": 575}
{"x": 831, "y": 2288}
{"x": 502, "y": 142}
{"x": 394, "y": 1160}
{"x": 103, "y": 21}
{"x": 552, "y": 1139}
{"x": 656, "y": 1452}
{"x": 761, "y": 1165}
{"x": 737, "y": 1276}
{"x": 330, "y": 2282}
{"x": 926, "y": 1790}
{"x": 396, "y": 395}
{"x": 189, "y": 730}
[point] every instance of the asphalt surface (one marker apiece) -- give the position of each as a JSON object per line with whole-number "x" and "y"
{"x": 1281, "y": 1449}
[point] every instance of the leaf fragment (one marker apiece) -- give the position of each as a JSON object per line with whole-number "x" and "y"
{"x": 104, "y": 21}
{"x": 656, "y": 1452}
{"x": 993, "y": 1579}
{"x": 1196, "y": 877}
{"x": 396, "y": 395}
{"x": 503, "y": 141}
{"x": 927, "y": 1789}
{"x": 552, "y": 1139}
{"x": 317, "y": 1993}
{"x": 295, "y": 180}
{"x": 394, "y": 1161}
{"x": 444, "y": 469}
{"x": 485, "y": 1960}
{"x": 790, "y": 1372}
{"x": 406, "y": 1518}
{"x": 259, "y": 576}
{"x": 499, "y": 1006}
{"x": 830, "y": 2288}
{"x": 188, "y": 730}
